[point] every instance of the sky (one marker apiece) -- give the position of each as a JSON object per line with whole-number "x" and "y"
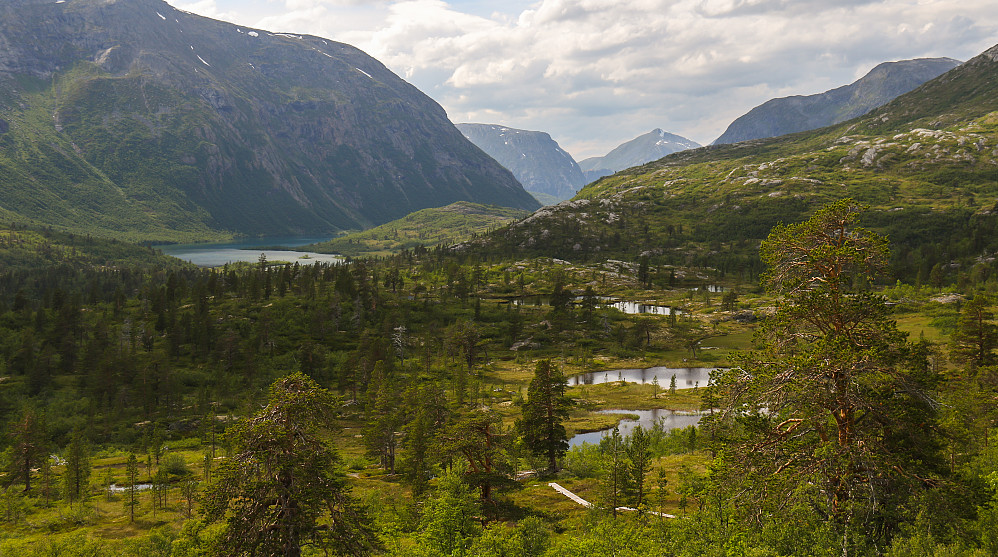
{"x": 597, "y": 73}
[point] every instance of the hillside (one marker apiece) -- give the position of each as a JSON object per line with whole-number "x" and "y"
{"x": 802, "y": 113}
{"x": 454, "y": 223}
{"x": 29, "y": 249}
{"x": 640, "y": 150}
{"x": 925, "y": 163}
{"x": 131, "y": 118}
{"x": 536, "y": 160}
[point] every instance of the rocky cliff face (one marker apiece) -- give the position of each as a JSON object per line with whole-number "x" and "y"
{"x": 801, "y": 113}
{"x": 640, "y": 150}
{"x": 173, "y": 121}
{"x": 533, "y": 157}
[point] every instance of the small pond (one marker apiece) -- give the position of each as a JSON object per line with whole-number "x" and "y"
{"x": 686, "y": 377}
{"x": 627, "y": 307}
{"x": 115, "y": 488}
{"x": 670, "y": 419}
{"x": 638, "y": 308}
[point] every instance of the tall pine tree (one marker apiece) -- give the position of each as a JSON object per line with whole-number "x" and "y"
{"x": 544, "y": 411}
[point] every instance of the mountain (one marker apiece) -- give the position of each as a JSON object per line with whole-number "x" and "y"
{"x": 132, "y": 118}
{"x": 925, "y": 164}
{"x": 801, "y": 113}
{"x": 640, "y": 150}
{"x": 533, "y": 157}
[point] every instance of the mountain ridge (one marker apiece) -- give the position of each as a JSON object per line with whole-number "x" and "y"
{"x": 925, "y": 164}
{"x": 168, "y": 124}
{"x": 799, "y": 113}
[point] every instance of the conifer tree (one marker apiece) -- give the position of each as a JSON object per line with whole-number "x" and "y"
{"x": 614, "y": 484}
{"x": 639, "y": 462}
{"x": 834, "y": 410}
{"x": 28, "y": 446}
{"x": 544, "y": 411}
{"x": 76, "y": 476}
{"x": 976, "y": 335}
{"x": 282, "y": 489}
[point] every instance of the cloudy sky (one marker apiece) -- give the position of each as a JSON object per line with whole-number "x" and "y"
{"x": 596, "y": 73}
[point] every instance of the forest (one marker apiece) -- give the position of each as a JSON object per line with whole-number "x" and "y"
{"x": 420, "y": 404}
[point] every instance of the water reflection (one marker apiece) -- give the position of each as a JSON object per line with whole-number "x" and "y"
{"x": 216, "y": 255}
{"x": 638, "y": 308}
{"x": 625, "y": 306}
{"x": 686, "y": 377}
{"x": 670, "y": 419}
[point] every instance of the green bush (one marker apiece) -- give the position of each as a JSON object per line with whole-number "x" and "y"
{"x": 175, "y": 465}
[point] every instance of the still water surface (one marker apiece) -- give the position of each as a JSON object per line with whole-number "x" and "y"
{"x": 686, "y": 377}
{"x": 646, "y": 418}
{"x": 216, "y": 255}
{"x": 627, "y": 307}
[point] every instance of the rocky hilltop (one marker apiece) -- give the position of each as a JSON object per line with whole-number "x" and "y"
{"x": 536, "y": 160}
{"x": 130, "y": 115}
{"x": 640, "y": 150}
{"x": 802, "y": 113}
{"x": 925, "y": 164}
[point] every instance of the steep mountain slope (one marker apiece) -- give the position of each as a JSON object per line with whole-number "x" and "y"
{"x": 640, "y": 150}
{"x": 801, "y": 113}
{"x": 926, "y": 164}
{"x": 533, "y": 157}
{"x": 132, "y": 116}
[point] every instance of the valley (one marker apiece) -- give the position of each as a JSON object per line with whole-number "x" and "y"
{"x": 774, "y": 347}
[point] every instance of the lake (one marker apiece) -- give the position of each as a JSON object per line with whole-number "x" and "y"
{"x": 216, "y": 255}
{"x": 686, "y": 377}
{"x": 670, "y": 419}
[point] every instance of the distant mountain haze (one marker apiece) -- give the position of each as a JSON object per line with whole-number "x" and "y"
{"x": 883, "y": 83}
{"x": 536, "y": 160}
{"x": 131, "y": 115}
{"x": 640, "y": 150}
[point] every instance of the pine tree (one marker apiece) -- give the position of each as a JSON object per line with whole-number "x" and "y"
{"x": 479, "y": 438}
{"x": 835, "y": 407}
{"x": 614, "y": 484}
{"x": 283, "y": 489}
{"x": 976, "y": 335}
{"x": 384, "y": 418}
{"x": 544, "y": 411}
{"x": 76, "y": 476}
{"x": 28, "y": 446}
{"x": 638, "y": 462}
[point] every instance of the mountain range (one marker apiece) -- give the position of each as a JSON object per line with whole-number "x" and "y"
{"x": 132, "y": 118}
{"x": 549, "y": 172}
{"x": 925, "y": 164}
{"x": 808, "y": 112}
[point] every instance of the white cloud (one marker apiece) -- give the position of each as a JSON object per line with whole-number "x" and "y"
{"x": 595, "y": 73}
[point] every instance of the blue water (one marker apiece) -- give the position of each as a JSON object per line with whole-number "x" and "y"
{"x": 216, "y": 255}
